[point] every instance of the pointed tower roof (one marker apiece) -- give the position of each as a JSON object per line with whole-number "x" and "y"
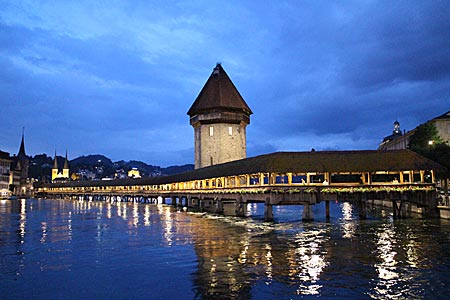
{"x": 22, "y": 146}
{"x": 66, "y": 162}
{"x": 55, "y": 162}
{"x": 219, "y": 93}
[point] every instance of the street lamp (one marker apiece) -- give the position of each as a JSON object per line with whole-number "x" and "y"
{"x": 430, "y": 143}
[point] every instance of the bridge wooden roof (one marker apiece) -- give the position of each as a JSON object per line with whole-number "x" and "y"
{"x": 219, "y": 93}
{"x": 296, "y": 162}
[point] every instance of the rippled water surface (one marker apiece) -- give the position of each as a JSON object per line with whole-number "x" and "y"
{"x": 64, "y": 249}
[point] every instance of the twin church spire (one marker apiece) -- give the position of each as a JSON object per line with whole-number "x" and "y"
{"x": 56, "y": 174}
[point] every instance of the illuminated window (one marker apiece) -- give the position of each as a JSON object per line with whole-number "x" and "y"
{"x": 230, "y": 130}
{"x": 211, "y": 131}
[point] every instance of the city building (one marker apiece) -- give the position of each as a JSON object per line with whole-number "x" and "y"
{"x": 5, "y": 168}
{"x": 398, "y": 140}
{"x": 62, "y": 175}
{"x": 219, "y": 117}
{"x": 134, "y": 173}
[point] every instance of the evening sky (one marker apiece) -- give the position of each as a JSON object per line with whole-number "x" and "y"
{"x": 117, "y": 77}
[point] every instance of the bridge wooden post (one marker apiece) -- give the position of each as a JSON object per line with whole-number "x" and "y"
{"x": 307, "y": 214}
{"x": 327, "y": 209}
{"x": 240, "y": 207}
{"x": 261, "y": 179}
{"x": 289, "y": 176}
{"x": 218, "y": 205}
{"x": 362, "y": 203}
{"x": 268, "y": 210}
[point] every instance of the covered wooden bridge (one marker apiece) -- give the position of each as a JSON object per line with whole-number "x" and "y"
{"x": 401, "y": 178}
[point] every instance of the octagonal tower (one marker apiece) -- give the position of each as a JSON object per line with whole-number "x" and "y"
{"x": 219, "y": 116}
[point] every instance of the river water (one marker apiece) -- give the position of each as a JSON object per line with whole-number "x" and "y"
{"x": 64, "y": 249}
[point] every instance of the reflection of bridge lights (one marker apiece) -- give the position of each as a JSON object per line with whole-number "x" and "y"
{"x": 310, "y": 261}
{"x": 411, "y": 252}
{"x": 23, "y": 219}
{"x": 44, "y": 232}
{"x": 269, "y": 270}
{"x": 108, "y": 210}
{"x": 348, "y": 226}
{"x": 388, "y": 275}
{"x": 147, "y": 216}
{"x": 69, "y": 226}
{"x": 135, "y": 214}
{"x": 387, "y": 267}
{"x": 123, "y": 208}
{"x": 167, "y": 223}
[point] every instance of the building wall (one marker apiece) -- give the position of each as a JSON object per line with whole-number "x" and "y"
{"x": 443, "y": 127}
{"x": 5, "y": 165}
{"x": 219, "y": 143}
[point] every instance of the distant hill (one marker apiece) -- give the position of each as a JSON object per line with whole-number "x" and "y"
{"x": 100, "y": 165}
{"x": 91, "y": 160}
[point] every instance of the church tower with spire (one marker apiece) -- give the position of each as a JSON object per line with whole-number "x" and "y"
{"x": 219, "y": 117}
{"x": 23, "y": 161}
{"x": 55, "y": 168}
{"x": 65, "y": 171}
{"x": 19, "y": 171}
{"x": 56, "y": 174}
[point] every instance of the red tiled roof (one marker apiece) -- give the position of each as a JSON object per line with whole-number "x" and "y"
{"x": 219, "y": 93}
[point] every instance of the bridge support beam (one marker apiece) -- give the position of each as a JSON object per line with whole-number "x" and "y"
{"x": 327, "y": 209}
{"x": 307, "y": 214}
{"x": 241, "y": 207}
{"x": 268, "y": 211}
{"x": 362, "y": 203}
{"x": 218, "y": 206}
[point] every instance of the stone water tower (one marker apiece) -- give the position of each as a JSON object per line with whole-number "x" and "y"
{"x": 219, "y": 116}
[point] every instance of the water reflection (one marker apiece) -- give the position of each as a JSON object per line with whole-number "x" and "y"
{"x": 348, "y": 224}
{"x": 22, "y": 220}
{"x": 226, "y": 257}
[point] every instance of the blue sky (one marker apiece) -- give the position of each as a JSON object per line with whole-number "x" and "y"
{"x": 117, "y": 77}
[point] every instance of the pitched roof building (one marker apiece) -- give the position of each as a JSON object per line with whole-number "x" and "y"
{"x": 399, "y": 140}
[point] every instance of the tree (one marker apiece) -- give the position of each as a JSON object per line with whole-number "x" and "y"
{"x": 427, "y": 142}
{"x": 424, "y": 137}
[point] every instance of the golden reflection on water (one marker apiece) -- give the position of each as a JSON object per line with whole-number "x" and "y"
{"x": 348, "y": 225}
{"x": 44, "y": 232}
{"x": 135, "y": 214}
{"x": 309, "y": 260}
{"x": 386, "y": 267}
{"x": 397, "y": 272}
{"x": 22, "y": 220}
{"x": 167, "y": 223}
{"x": 147, "y": 216}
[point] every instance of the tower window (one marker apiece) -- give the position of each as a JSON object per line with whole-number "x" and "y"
{"x": 211, "y": 131}
{"x": 230, "y": 130}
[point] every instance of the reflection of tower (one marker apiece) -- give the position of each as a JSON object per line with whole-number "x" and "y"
{"x": 219, "y": 116}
